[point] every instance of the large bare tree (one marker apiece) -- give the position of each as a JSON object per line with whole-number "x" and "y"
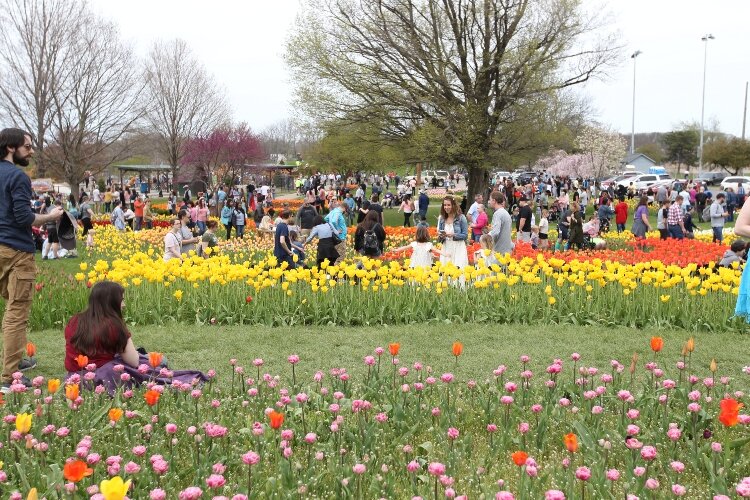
{"x": 460, "y": 69}
{"x": 96, "y": 106}
{"x": 35, "y": 42}
{"x": 183, "y": 100}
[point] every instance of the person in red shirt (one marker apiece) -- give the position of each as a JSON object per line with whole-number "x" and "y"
{"x": 621, "y": 214}
{"x": 97, "y": 341}
{"x": 138, "y": 206}
{"x": 99, "y": 332}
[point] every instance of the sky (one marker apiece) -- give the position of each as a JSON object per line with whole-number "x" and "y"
{"x": 242, "y": 43}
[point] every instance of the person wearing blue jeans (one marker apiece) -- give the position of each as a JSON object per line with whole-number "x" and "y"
{"x": 675, "y": 220}
{"x": 718, "y": 215}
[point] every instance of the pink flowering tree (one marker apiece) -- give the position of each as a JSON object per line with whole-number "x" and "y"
{"x": 223, "y": 151}
{"x": 562, "y": 164}
{"x": 603, "y": 150}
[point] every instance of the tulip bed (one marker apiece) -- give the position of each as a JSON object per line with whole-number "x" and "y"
{"x": 636, "y": 284}
{"x": 390, "y": 426}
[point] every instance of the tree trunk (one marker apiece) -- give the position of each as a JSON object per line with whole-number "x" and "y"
{"x": 477, "y": 182}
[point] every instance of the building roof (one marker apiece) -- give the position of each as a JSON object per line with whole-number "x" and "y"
{"x": 630, "y": 158}
{"x": 143, "y": 168}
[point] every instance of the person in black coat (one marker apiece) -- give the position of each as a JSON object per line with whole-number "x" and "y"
{"x": 370, "y": 223}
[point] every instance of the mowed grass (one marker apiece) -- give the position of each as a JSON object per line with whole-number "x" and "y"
{"x": 485, "y": 347}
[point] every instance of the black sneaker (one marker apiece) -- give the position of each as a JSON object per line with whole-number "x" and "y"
{"x": 5, "y": 386}
{"x": 26, "y": 364}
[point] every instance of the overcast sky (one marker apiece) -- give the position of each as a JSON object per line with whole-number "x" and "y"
{"x": 241, "y": 44}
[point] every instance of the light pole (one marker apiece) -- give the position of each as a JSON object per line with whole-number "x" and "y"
{"x": 705, "y": 40}
{"x": 632, "y": 130}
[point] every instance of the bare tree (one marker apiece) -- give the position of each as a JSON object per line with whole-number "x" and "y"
{"x": 183, "y": 101}
{"x": 35, "y": 42}
{"x": 97, "y": 104}
{"x": 462, "y": 69}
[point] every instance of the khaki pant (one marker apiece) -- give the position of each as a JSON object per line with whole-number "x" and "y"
{"x": 17, "y": 276}
{"x": 341, "y": 249}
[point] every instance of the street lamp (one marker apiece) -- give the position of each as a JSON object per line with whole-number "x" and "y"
{"x": 632, "y": 131}
{"x": 705, "y": 40}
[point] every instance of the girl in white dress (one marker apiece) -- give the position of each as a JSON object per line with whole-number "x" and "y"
{"x": 422, "y": 250}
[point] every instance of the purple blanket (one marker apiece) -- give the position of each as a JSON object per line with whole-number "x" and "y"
{"x": 117, "y": 373}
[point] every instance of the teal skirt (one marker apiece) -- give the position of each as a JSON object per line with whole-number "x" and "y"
{"x": 743, "y": 298}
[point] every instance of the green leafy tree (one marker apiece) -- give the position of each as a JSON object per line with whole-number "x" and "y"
{"x": 464, "y": 70}
{"x": 731, "y": 154}
{"x": 682, "y": 147}
{"x": 653, "y": 151}
{"x": 348, "y": 148}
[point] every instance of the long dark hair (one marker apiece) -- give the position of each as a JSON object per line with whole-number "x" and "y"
{"x": 100, "y": 326}
{"x": 371, "y": 220}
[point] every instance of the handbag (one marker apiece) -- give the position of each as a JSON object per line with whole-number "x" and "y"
{"x": 334, "y": 236}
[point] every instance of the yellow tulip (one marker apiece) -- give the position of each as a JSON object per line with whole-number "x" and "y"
{"x": 114, "y": 489}
{"x": 23, "y": 422}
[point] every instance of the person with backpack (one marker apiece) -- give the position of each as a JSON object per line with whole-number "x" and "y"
{"x": 369, "y": 238}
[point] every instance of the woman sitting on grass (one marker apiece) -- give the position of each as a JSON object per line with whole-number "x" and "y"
{"x": 98, "y": 336}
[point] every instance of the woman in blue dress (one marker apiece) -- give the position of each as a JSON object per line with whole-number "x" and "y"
{"x": 742, "y": 228}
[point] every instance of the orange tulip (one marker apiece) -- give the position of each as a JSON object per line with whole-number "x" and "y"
{"x": 690, "y": 344}
{"x": 82, "y": 360}
{"x": 72, "y": 391}
{"x": 30, "y": 349}
{"x": 53, "y": 385}
{"x": 152, "y": 397}
{"x": 657, "y": 344}
{"x": 155, "y": 359}
{"x": 730, "y": 412}
{"x": 276, "y": 419}
{"x": 115, "y": 414}
{"x": 571, "y": 442}
{"x": 458, "y": 348}
{"x": 519, "y": 458}
{"x": 393, "y": 348}
{"x": 76, "y": 470}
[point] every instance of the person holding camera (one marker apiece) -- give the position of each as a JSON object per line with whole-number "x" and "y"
{"x": 453, "y": 229}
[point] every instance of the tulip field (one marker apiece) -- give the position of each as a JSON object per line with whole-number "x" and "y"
{"x": 617, "y": 373}
{"x": 634, "y": 284}
{"x": 392, "y": 425}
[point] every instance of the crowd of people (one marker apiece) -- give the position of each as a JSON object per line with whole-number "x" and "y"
{"x": 99, "y": 335}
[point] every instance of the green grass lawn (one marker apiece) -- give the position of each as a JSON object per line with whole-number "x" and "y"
{"x": 486, "y": 347}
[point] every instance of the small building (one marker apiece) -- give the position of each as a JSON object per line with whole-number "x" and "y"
{"x": 639, "y": 161}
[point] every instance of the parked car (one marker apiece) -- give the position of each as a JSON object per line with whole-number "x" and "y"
{"x": 523, "y": 178}
{"x": 645, "y": 181}
{"x": 616, "y": 179}
{"x": 734, "y": 182}
{"x": 442, "y": 177}
{"x": 500, "y": 175}
{"x": 710, "y": 178}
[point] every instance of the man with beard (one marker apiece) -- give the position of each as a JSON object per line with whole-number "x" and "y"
{"x": 17, "y": 268}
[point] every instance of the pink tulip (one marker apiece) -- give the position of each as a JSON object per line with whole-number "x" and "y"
{"x": 583, "y": 473}
{"x": 436, "y": 469}
{"x": 251, "y": 458}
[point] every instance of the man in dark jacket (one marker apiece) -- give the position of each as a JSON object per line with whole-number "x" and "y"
{"x": 306, "y": 219}
{"x": 424, "y": 204}
{"x": 17, "y": 248}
